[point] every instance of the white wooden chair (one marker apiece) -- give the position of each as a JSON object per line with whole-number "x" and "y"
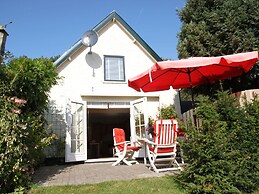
{"x": 162, "y": 151}
{"x": 123, "y": 149}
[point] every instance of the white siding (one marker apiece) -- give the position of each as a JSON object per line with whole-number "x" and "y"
{"x": 83, "y": 75}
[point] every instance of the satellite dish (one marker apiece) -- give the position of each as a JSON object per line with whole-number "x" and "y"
{"x": 89, "y": 38}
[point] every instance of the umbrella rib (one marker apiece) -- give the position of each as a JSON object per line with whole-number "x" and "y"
{"x": 151, "y": 79}
{"x": 208, "y": 80}
{"x": 236, "y": 67}
{"x": 197, "y": 69}
{"x": 175, "y": 77}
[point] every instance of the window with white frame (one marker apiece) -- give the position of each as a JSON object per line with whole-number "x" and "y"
{"x": 114, "y": 69}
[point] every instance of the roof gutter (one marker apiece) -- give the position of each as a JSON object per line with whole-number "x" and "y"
{"x": 66, "y": 54}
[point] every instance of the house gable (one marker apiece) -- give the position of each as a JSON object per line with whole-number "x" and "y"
{"x": 112, "y": 17}
{"x": 93, "y": 94}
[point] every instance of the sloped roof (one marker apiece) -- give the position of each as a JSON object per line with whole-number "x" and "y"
{"x": 113, "y": 15}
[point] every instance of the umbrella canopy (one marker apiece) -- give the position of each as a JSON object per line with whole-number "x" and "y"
{"x": 192, "y": 72}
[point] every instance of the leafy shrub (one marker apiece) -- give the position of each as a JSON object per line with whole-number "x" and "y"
{"x": 24, "y": 84}
{"x": 223, "y": 153}
{"x": 166, "y": 112}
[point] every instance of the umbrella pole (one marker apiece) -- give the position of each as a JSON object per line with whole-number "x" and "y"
{"x": 193, "y": 103}
{"x": 193, "y": 107}
{"x": 190, "y": 80}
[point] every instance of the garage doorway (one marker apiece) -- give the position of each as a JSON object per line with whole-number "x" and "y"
{"x": 100, "y": 124}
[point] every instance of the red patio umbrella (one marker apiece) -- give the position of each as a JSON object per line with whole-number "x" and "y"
{"x": 194, "y": 71}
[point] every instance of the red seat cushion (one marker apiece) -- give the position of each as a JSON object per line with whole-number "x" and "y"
{"x": 119, "y": 137}
{"x": 134, "y": 148}
{"x": 162, "y": 150}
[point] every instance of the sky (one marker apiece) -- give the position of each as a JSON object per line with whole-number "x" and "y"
{"x": 47, "y": 28}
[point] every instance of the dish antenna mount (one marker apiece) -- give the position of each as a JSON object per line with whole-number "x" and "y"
{"x": 89, "y": 38}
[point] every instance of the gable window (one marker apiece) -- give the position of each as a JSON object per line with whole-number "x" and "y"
{"x": 114, "y": 69}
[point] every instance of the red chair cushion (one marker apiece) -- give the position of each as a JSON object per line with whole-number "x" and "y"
{"x": 162, "y": 150}
{"x": 119, "y": 136}
{"x": 133, "y": 148}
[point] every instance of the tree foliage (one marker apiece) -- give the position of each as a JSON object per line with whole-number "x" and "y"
{"x": 24, "y": 87}
{"x": 223, "y": 153}
{"x": 221, "y": 27}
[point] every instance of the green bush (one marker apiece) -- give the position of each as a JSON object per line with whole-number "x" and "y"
{"x": 24, "y": 84}
{"x": 166, "y": 112}
{"x": 223, "y": 153}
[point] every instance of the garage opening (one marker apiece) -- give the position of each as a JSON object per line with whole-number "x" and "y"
{"x": 100, "y": 124}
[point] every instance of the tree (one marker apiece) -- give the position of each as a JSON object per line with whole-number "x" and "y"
{"x": 24, "y": 87}
{"x": 221, "y": 27}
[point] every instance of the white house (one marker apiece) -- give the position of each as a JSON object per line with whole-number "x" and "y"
{"x": 93, "y": 96}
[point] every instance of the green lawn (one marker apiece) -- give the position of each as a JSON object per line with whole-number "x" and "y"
{"x": 161, "y": 185}
{"x": 158, "y": 185}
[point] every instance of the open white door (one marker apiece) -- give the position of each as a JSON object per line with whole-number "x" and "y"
{"x": 138, "y": 118}
{"x": 76, "y": 132}
{"x": 138, "y": 123}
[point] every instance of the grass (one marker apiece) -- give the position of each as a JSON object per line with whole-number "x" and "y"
{"x": 160, "y": 185}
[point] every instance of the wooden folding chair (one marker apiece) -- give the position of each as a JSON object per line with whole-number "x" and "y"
{"x": 162, "y": 152}
{"x": 123, "y": 149}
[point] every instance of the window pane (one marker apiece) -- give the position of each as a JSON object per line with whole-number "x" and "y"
{"x": 114, "y": 69}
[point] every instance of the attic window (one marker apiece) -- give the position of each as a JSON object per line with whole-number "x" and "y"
{"x": 114, "y": 69}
